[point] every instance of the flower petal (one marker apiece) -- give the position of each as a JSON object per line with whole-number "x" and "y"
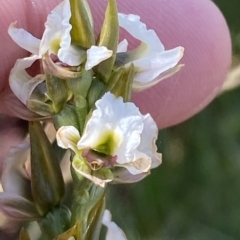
{"x": 148, "y": 139}
{"x": 68, "y": 137}
{"x": 148, "y": 69}
{"x": 142, "y": 164}
{"x": 115, "y": 123}
{"x": 57, "y": 70}
{"x": 15, "y": 178}
{"x": 21, "y": 83}
{"x": 114, "y": 232}
{"x": 95, "y": 55}
{"x": 124, "y": 176}
{"x": 140, "y": 86}
{"x": 24, "y": 39}
{"x": 71, "y": 55}
{"x": 57, "y": 38}
{"x": 99, "y": 177}
{"x": 17, "y": 207}
{"x": 122, "y": 46}
{"x": 138, "y": 30}
{"x": 16, "y": 107}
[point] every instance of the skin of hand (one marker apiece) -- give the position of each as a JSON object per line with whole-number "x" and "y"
{"x": 198, "y": 26}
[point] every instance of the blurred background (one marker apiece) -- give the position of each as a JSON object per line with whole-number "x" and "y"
{"x": 195, "y": 193}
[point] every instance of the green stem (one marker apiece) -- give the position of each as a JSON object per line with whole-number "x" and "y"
{"x": 86, "y": 195}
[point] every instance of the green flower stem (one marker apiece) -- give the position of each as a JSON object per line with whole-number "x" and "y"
{"x": 86, "y": 195}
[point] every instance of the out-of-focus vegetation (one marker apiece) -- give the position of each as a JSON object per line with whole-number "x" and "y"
{"x": 195, "y": 194}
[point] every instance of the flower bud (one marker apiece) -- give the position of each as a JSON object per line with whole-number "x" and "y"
{"x": 109, "y": 38}
{"x": 82, "y": 33}
{"x": 47, "y": 180}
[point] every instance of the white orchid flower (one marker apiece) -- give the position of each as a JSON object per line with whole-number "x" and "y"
{"x": 116, "y": 135}
{"x": 113, "y": 231}
{"x": 56, "y": 42}
{"x": 152, "y": 62}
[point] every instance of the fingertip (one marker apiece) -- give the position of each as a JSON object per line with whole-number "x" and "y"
{"x": 201, "y": 29}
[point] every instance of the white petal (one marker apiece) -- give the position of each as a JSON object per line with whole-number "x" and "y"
{"x": 113, "y": 232}
{"x": 148, "y": 139}
{"x": 24, "y": 39}
{"x": 122, "y": 46}
{"x": 57, "y": 30}
{"x": 95, "y": 55}
{"x": 138, "y": 30}
{"x": 72, "y": 56}
{"x": 141, "y": 164}
{"x": 21, "y": 83}
{"x": 124, "y": 176}
{"x": 122, "y": 120}
{"x": 68, "y": 137}
{"x": 140, "y": 86}
{"x": 15, "y": 177}
{"x": 149, "y": 68}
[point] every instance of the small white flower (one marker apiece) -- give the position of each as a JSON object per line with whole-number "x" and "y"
{"x": 152, "y": 62}
{"x": 56, "y": 42}
{"x": 56, "y": 38}
{"x": 113, "y": 232}
{"x": 116, "y": 135}
{"x": 21, "y": 83}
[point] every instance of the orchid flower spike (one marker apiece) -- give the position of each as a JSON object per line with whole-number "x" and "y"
{"x": 152, "y": 62}
{"x": 117, "y": 136}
